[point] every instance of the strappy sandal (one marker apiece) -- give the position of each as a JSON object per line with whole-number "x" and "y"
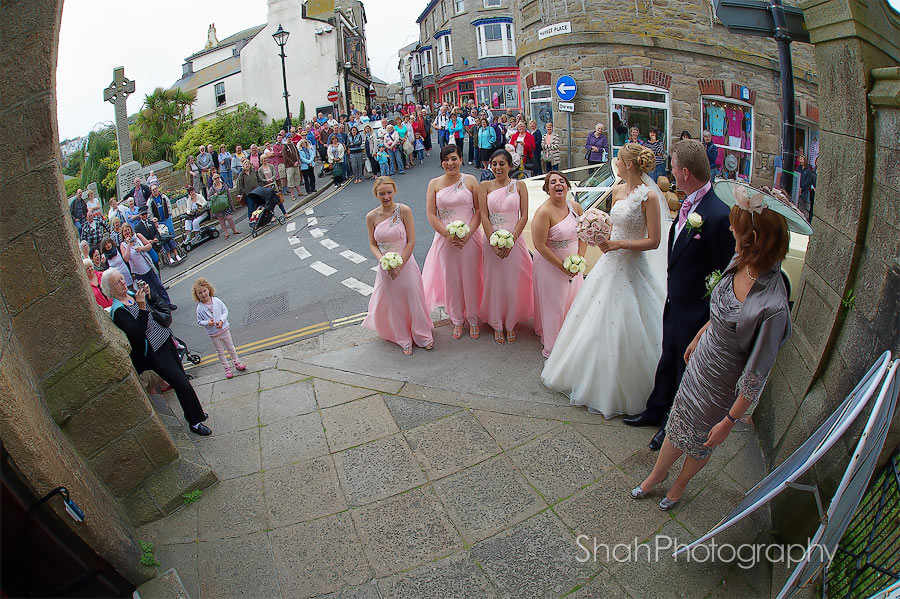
{"x": 457, "y": 331}
{"x": 511, "y": 336}
{"x": 473, "y": 331}
{"x": 407, "y": 351}
{"x": 498, "y": 337}
{"x": 430, "y": 346}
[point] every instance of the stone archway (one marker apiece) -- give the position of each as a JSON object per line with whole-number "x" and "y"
{"x": 72, "y": 411}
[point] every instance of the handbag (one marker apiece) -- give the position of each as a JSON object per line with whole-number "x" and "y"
{"x": 219, "y": 203}
{"x": 587, "y": 155}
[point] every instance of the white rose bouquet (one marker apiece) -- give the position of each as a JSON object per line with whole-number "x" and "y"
{"x": 391, "y": 260}
{"x": 501, "y": 238}
{"x": 594, "y": 227}
{"x": 458, "y": 229}
{"x": 574, "y": 264}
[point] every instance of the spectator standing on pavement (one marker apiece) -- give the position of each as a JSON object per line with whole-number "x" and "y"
{"x": 152, "y": 345}
{"x": 712, "y": 154}
{"x": 487, "y": 138}
{"x": 225, "y": 166}
{"x": 94, "y": 229}
{"x": 535, "y": 131}
{"x": 78, "y": 210}
{"x": 115, "y": 211}
{"x": 550, "y": 148}
{"x": 597, "y": 145}
{"x": 135, "y": 249}
{"x": 162, "y": 211}
{"x": 192, "y": 173}
{"x": 441, "y": 120}
{"x": 114, "y": 259}
{"x": 336, "y": 158}
{"x": 246, "y": 182}
{"x": 807, "y": 185}
{"x": 523, "y": 142}
{"x": 98, "y": 259}
{"x": 221, "y": 205}
{"x": 205, "y": 163}
{"x": 292, "y": 168}
{"x": 140, "y": 193}
{"x": 370, "y": 141}
{"x": 152, "y": 179}
{"x": 215, "y": 160}
{"x": 145, "y": 228}
{"x": 355, "y": 143}
{"x": 392, "y": 145}
{"x": 470, "y": 124}
{"x": 93, "y": 278}
{"x": 307, "y": 167}
{"x": 212, "y": 315}
{"x": 276, "y": 160}
{"x": 93, "y": 203}
{"x": 658, "y": 147}
{"x": 254, "y": 156}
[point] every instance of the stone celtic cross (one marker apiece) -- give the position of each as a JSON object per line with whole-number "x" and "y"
{"x": 117, "y": 92}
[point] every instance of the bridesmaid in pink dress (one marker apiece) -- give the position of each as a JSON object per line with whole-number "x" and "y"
{"x": 397, "y": 309}
{"x": 507, "y": 298}
{"x": 555, "y": 236}
{"x": 452, "y": 274}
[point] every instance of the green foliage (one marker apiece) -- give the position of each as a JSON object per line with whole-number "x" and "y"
{"x": 163, "y": 119}
{"x": 271, "y": 131}
{"x": 302, "y": 113}
{"x": 73, "y": 166}
{"x": 192, "y": 497}
{"x": 245, "y": 125}
{"x": 849, "y": 299}
{"x": 72, "y": 186}
{"x": 147, "y": 557}
{"x": 101, "y": 161}
{"x": 111, "y": 164}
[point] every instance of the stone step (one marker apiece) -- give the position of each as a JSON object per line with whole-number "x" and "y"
{"x": 167, "y": 585}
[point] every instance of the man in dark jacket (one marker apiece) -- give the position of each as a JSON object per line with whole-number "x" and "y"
{"x": 146, "y": 227}
{"x": 140, "y": 193}
{"x": 78, "y": 210}
{"x": 712, "y": 154}
{"x": 246, "y": 182}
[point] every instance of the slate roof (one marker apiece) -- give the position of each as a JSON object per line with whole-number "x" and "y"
{"x": 231, "y": 39}
{"x": 213, "y": 72}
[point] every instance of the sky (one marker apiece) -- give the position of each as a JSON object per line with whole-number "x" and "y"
{"x": 152, "y": 39}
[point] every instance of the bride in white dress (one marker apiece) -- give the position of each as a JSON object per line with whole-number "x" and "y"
{"x": 606, "y": 354}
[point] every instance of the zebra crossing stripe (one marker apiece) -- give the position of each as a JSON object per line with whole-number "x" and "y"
{"x": 308, "y": 211}
{"x": 358, "y": 286}
{"x": 302, "y": 253}
{"x": 291, "y": 227}
{"x": 316, "y": 232}
{"x": 353, "y": 256}
{"x": 329, "y": 244}
{"x": 293, "y": 240}
{"x": 376, "y": 267}
{"x": 323, "y": 268}
{"x": 312, "y": 221}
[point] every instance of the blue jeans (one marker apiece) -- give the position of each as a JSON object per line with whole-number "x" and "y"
{"x": 659, "y": 171}
{"x": 226, "y": 177}
{"x": 443, "y": 138}
{"x": 157, "y": 289}
{"x": 385, "y": 168}
{"x": 420, "y": 154}
{"x": 396, "y": 160}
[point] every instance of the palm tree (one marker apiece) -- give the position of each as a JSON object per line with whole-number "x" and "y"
{"x": 165, "y": 116}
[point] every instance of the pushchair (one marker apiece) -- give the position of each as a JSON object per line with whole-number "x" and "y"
{"x": 267, "y": 199}
{"x": 184, "y": 352}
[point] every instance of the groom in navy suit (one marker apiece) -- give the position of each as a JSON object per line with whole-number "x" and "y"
{"x": 700, "y": 241}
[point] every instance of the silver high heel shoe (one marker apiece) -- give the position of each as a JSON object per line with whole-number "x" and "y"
{"x": 666, "y": 504}
{"x": 639, "y": 493}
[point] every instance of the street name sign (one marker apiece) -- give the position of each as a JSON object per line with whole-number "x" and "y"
{"x": 566, "y": 106}
{"x": 566, "y": 88}
{"x": 555, "y": 29}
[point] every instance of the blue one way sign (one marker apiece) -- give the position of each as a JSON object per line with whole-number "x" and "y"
{"x": 566, "y": 88}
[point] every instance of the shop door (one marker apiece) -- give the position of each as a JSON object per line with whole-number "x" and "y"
{"x": 541, "y": 106}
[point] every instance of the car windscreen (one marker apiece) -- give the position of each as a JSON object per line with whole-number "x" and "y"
{"x": 602, "y": 176}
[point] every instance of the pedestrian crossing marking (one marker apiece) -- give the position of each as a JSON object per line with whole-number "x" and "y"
{"x": 308, "y": 211}
{"x": 353, "y": 256}
{"x": 375, "y": 268}
{"x": 316, "y": 232}
{"x": 293, "y": 240}
{"x": 329, "y": 244}
{"x": 358, "y": 286}
{"x": 291, "y": 227}
{"x": 312, "y": 221}
{"x": 302, "y": 253}
{"x": 323, "y": 268}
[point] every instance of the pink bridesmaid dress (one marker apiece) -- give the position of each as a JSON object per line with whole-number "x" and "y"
{"x": 397, "y": 309}
{"x": 507, "y": 298}
{"x": 554, "y": 292}
{"x": 453, "y": 277}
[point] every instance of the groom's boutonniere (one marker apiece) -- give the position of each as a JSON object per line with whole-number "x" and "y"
{"x": 712, "y": 279}
{"x": 694, "y": 222}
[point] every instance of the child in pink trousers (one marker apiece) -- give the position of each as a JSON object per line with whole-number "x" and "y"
{"x": 212, "y": 314}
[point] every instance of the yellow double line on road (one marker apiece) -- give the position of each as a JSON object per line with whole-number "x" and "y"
{"x": 313, "y": 329}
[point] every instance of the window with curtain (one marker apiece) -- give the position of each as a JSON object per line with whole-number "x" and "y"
{"x": 495, "y": 39}
{"x": 445, "y": 51}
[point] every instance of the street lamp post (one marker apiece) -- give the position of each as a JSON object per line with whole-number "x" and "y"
{"x": 347, "y": 66}
{"x": 281, "y": 37}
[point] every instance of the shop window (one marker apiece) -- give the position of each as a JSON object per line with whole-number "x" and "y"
{"x": 459, "y": 6}
{"x": 495, "y": 39}
{"x": 427, "y": 69}
{"x": 445, "y": 51}
{"x": 491, "y": 3}
{"x": 731, "y": 125}
{"x": 220, "y": 93}
{"x": 541, "y": 106}
{"x": 640, "y": 106}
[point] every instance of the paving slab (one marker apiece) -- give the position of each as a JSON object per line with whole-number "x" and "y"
{"x": 303, "y": 491}
{"x": 357, "y": 422}
{"x": 363, "y": 591}
{"x": 340, "y": 374}
{"x": 236, "y": 387}
{"x": 233, "y": 454}
{"x": 618, "y": 443}
{"x": 329, "y": 394}
{"x": 603, "y": 586}
{"x": 378, "y": 470}
{"x": 238, "y": 414}
{"x": 291, "y": 440}
{"x": 319, "y": 557}
{"x": 405, "y": 531}
{"x": 167, "y": 585}
{"x": 178, "y": 527}
{"x": 451, "y": 444}
{"x": 410, "y": 413}
{"x": 242, "y": 567}
{"x": 286, "y": 401}
{"x": 487, "y": 498}
{"x": 269, "y": 379}
{"x": 536, "y": 558}
{"x": 708, "y": 507}
{"x": 232, "y": 508}
{"x": 511, "y": 430}
{"x": 453, "y": 576}
{"x": 301, "y": 349}
{"x": 560, "y": 463}
{"x": 182, "y": 557}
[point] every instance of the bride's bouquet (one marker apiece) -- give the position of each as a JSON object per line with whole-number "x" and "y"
{"x": 574, "y": 264}
{"x": 594, "y": 227}
{"x": 501, "y": 238}
{"x": 391, "y": 260}
{"x": 458, "y": 229}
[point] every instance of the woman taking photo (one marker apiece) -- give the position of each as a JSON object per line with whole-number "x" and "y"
{"x": 507, "y": 298}
{"x": 452, "y": 275}
{"x": 550, "y": 149}
{"x": 355, "y": 147}
{"x": 732, "y": 355}
{"x": 221, "y": 206}
{"x": 152, "y": 345}
{"x": 134, "y": 248}
{"x": 397, "y": 308}
{"x": 554, "y": 231}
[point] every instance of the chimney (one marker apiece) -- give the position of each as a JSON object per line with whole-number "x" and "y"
{"x": 211, "y": 39}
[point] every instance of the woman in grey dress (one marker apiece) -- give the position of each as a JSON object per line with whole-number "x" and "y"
{"x": 730, "y": 358}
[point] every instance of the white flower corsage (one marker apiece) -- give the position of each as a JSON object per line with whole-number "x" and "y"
{"x": 712, "y": 279}
{"x": 694, "y": 221}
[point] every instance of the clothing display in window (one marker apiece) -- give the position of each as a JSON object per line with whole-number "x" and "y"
{"x": 716, "y": 120}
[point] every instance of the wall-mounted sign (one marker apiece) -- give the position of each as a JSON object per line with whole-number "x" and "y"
{"x": 745, "y": 93}
{"x": 555, "y": 29}
{"x": 566, "y": 106}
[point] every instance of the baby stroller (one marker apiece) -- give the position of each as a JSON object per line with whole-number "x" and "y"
{"x": 326, "y": 169}
{"x": 267, "y": 199}
{"x": 184, "y": 352}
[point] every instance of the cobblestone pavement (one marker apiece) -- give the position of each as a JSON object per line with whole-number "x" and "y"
{"x": 338, "y": 483}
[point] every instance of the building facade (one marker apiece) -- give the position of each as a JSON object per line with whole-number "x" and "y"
{"x": 407, "y": 55}
{"x": 467, "y": 51}
{"x": 672, "y": 66}
{"x": 326, "y": 50}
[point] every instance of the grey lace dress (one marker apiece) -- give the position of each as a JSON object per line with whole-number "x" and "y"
{"x": 734, "y": 355}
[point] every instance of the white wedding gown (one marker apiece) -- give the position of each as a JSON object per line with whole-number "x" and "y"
{"x": 606, "y": 353}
